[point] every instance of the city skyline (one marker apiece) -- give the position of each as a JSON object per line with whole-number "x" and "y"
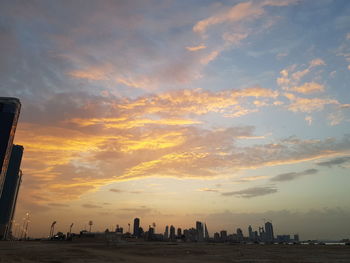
{"x": 224, "y": 112}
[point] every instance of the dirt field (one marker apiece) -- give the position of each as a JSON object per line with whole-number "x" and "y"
{"x": 57, "y": 252}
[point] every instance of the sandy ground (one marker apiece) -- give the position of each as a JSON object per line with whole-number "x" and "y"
{"x": 57, "y": 252}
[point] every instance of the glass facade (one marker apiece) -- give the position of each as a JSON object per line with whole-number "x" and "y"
{"x": 9, "y": 112}
{"x": 10, "y": 191}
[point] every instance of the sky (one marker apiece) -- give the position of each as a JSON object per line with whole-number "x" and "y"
{"x": 226, "y": 112}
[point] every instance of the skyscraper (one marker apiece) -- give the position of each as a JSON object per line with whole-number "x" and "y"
{"x": 239, "y": 234}
{"x": 200, "y": 231}
{"x": 206, "y": 233}
{"x": 179, "y": 232}
{"x": 250, "y": 231}
{"x": 172, "y": 233}
{"x": 9, "y": 195}
{"x": 137, "y": 227}
{"x": 166, "y": 232}
{"x": 9, "y": 112}
{"x": 269, "y": 237}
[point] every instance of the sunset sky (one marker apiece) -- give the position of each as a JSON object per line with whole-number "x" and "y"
{"x": 226, "y": 112}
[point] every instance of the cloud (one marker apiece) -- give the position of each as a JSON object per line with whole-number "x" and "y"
{"x": 236, "y": 13}
{"x": 196, "y": 48}
{"x": 292, "y": 176}
{"x": 209, "y": 57}
{"x": 251, "y": 178}
{"x": 116, "y": 190}
{"x": 290, "y": 77}
{"x": 208, "y": 190}
{"x": 335, "y": 162}
{"x": 308, "y": 87}
{"x": 240, "y": 12}
{"x": 58, "y": 205}
{"x": 308, "y": 105}
{"x": 91, "y": 206}
{"x": 317, "y": 62}
{"x": 252, "y": 192}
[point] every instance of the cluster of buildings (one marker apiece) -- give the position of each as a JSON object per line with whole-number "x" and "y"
{"x": 10, "y": 162}
{"x": 200, "y": 233}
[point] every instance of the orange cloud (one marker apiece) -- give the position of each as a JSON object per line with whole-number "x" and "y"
{"x": 239, "y": 12}
{"x": 236, "y": 13}
{"x": 308, "y": 87}
{"x": 309, "y": 105}
{"x": 196, "y": 48}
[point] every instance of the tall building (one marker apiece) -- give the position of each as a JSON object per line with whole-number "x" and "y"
{"x": 206, "y": 233}
{"x": 269, "y": 237}
{"x": 172, "y": 233}
{"x": 239, "y": 234}
{"x": 200, "y": 231}
{"x": 9, "y": 113}
{"x": 9, "y": 195}
{"x": 166, "y": 232}
{"x": 250, "y": 231}
{"x": 179, "y": 232}
{"x": 136, "y": 227}
{"x": 223, "y": 235}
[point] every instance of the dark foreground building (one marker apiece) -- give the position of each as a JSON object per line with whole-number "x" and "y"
{"x": 9, "y": 112}
{"x": 10, "y": 191}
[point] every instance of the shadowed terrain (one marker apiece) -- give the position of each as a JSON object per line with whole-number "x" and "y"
{"x": 56, "y": 252}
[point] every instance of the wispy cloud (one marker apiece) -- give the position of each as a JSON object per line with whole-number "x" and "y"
{"x": 335, "y": 162}
{"x": 196, "y": 48}
{"x": 214, "y": 190}
{"x": 91, "y": 206}
{"x": 253, "y": 192}
{"x": 308, "y": 87}
{"x": 292, "y": 176}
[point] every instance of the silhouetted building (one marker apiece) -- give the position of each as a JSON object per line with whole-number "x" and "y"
{"x": 223, "y": 235}
{"x": 250, "y": 231}
{"x": 119, "y": 230}
{"x": 136, "y": 227}
{"x": 296, "y": 238}
{"x": 9, "y": 195}
{"x": 190, "y": 234}
{"x": 239, "y": 235}
{"x": 200, "y": 231}
{"x": 216, "y": 237}
{"x": 269, "y": 237}
{"x": 9, "y": 113}
{"x": 166, "y": 233}
{"x": 172, "y": 236}
{"x": 206, "y": 233}
{"x": 179, "y": 232}
{"x": 283, "y": 238}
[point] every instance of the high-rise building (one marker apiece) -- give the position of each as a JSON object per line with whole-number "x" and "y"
{"x": 223, "y": 235}
{"x": 269, "y": 237}
{"x": 200, "y": 231}
{"x": 206, "y": 233}
{"x": 166, "y": 232}
{"x": 239, "y": 234}
{"x": 179, "y": 232}
{"x": 9, "y": 113}
{"x": 172, "y": 233}
{"x": 250, "y": 232}
{"x": 216, "y": 237}
{"x": 136, "y": 227}
{"x": 9, "y": 195}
